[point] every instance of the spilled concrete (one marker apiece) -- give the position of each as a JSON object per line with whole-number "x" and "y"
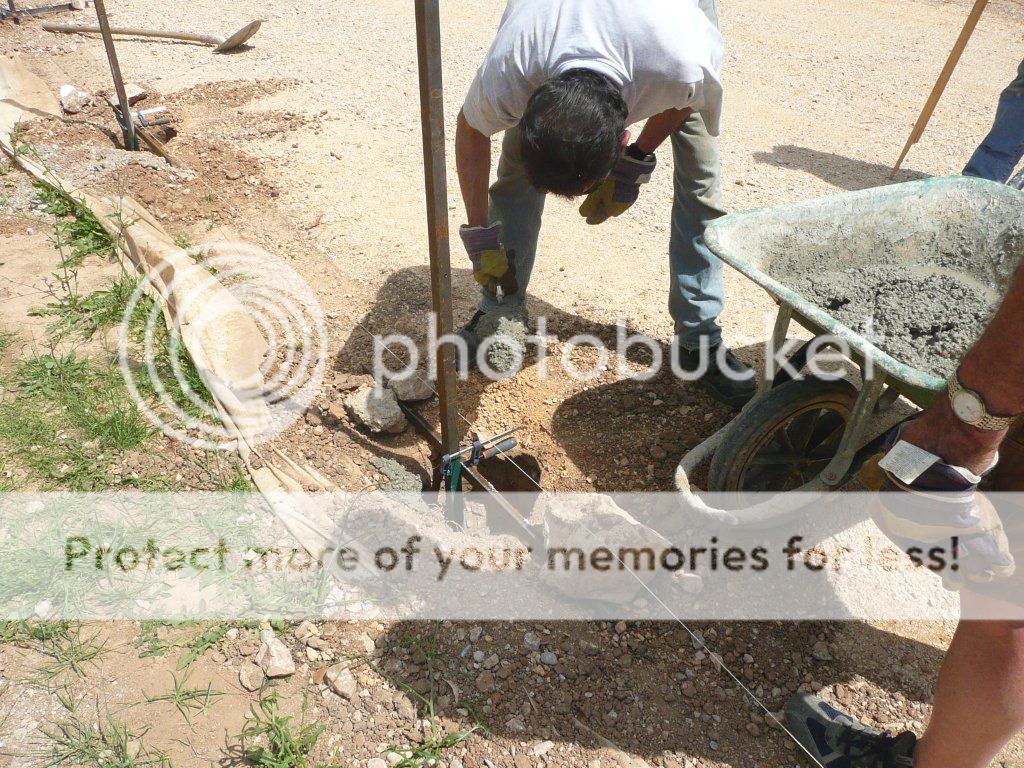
{"x": 504, "y": 329}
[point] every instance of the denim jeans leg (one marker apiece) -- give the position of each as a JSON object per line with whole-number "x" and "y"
{"x": 519, "y": 207}
{"x": 1003, "y": 148}
{"x": 696, "y": 290}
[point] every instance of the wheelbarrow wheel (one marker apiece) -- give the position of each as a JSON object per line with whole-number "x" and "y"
{"x": 786, "y": 437}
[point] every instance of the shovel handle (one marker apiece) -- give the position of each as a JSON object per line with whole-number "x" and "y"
{"x": 71, "y": 28}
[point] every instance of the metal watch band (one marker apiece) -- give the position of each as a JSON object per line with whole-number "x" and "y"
{"x": 988, "y": 422}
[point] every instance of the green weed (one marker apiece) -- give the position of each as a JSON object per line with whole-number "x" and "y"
{"x": 183, "y": 241}
{"x": 151, "y": 644}
{"x": 104, "y": 744}
{"x": 287, "y": 745}
{"x": 188, "y": 701}
{"x": 68, "y": 415}
{"x": 66, "y": 648}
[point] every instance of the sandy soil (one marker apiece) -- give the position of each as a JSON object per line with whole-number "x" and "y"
{"x": 308, "y": 144}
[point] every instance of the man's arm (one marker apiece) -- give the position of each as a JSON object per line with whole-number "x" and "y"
{"x": 473, "y": 162}
{"x": 995, "y": 369}
{"x": 660, "y": 127}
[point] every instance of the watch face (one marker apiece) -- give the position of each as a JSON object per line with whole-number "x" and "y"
{"x": 968, "y": 407}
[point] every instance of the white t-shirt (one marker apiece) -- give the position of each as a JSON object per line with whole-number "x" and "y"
{"x": 664, "y": 54}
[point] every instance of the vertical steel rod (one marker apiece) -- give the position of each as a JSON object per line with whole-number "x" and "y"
{"x": 127, "y": 125}
{"x": 428, "y": 46}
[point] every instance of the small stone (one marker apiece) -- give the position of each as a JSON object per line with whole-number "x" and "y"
{"x": 232, "y": 634}
{"x": 531, "y": 641}
{"x": 367, "y": 643}
{"x": 478, "y": 656}
{"x": 393, "y": 758}
{"x": 376, "y": 762}
{"x": 73, "y": 100}
{"x": 475, "y": 633}
{"x": 250, "y": 676}
{"x": 376, "y": 409}
{"x": 342, "y": 682}
{"x": 541, "y": 749}
{"x": 485, "y": 682}
{"x": 491, "y": 661}
{"x": 274, "y": 658}
{"x": 305, "y": 630}
{"x": 620, "y": 627}
{"x": 548, "y": 659}
{"x": 657, "y": 452}
{"x": 820, "y": 651}
{"x": 413, "y": 389}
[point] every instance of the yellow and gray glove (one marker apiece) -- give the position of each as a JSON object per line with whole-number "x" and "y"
{"x": 622, "y": 187}
{"x": 493, "y": 266}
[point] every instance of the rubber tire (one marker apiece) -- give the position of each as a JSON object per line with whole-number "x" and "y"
{"x": 751, "y": 430}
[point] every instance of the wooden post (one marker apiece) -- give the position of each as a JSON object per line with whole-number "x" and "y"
{"x": 940, "y": 84}
{"x": 127, "y": 125}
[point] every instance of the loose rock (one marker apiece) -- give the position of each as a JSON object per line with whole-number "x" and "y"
{"x": 73, "y": 100}
{"x": 342, "y": 682}
{"x": 250, "y": 676}
{"x": 376, "y": 409}
{"x": 274, "y": 658}
{"x": 414, "y": 389}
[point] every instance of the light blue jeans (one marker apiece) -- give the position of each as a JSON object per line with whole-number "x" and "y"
{"x": 696, "y": 292}
{"x": 1003, "y": 148}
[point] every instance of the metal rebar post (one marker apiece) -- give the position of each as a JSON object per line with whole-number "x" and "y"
{"x": 428, "y": 45}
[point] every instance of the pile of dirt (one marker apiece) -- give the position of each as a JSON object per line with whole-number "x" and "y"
{"x": 925, "y": 319}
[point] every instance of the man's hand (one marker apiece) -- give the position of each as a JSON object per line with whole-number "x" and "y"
{"x": 938, "y": 508}
{"x": 622, "y": 187}
{"x": 493, "y": 266}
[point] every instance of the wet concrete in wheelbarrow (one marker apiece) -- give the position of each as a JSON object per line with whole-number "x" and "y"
{"x": 922, "y": 317}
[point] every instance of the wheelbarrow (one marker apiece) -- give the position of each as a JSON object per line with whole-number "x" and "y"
{"x": 810, "y": 434}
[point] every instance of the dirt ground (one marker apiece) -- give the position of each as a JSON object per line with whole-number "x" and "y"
{"x": 307, "y": 143}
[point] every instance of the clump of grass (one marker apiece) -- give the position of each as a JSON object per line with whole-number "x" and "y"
{"x": 187, "y": 701}
{"x": 69, "y": 415}
{"x": 151, "y": 644}
{"x": 183, "y": 241}
{"x": 287, "y": 744}
{"x": 171, "y": 360}
{"x": 77, "y": 232}
{"x": 103, "y": 744}
{"x": 7, "y": 339}
{"x": 67, "y": 650}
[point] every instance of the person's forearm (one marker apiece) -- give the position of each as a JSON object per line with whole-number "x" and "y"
{"x": 995, "y": 368}
{"x": 473, "y": 162}
{"x": 660, "y": 127}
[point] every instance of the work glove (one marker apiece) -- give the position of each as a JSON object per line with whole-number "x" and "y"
{"x": 493, "y": 266}
{"x": 622, "y": 187}
{"x": 940, "y": 504}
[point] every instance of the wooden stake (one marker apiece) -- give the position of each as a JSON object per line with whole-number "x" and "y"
{"x": 940, "y": 84}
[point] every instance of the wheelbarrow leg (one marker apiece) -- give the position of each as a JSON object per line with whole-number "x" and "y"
{"x": 872, "y": 389}
{"x": 779, "y": 333}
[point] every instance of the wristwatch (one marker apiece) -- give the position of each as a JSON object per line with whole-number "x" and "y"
{"x": 969, "y": 407}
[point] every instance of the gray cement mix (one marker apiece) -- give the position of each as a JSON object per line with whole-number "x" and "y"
{"x": 916, "y": 269}
{"x": 507, "y": 327}
{"x": 397, "y": 477}
{"x": 924, "y": 319}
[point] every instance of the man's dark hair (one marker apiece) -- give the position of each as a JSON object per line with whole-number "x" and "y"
{"x": 572, "y": 131}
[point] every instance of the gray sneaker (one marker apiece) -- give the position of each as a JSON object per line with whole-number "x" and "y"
{"x": 836, "y": 740}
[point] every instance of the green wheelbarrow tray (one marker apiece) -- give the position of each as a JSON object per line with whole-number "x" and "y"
{"x": 967, "y": 226}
